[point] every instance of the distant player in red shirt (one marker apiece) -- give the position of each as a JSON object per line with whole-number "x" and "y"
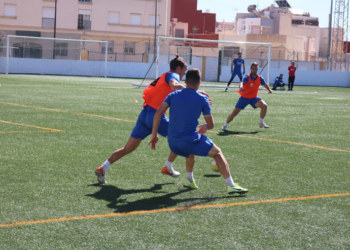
{"x": 291, "y": 78}
{"x": 249, "y": 88}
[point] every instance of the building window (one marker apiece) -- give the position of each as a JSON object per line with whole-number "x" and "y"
{"x": 10, "y": 10}
{"x": 110, "y": 48}
{"x": 180, "y": 33}
{"x": 85, "y": 1}
{"x": 113, "y": 17}
{"x": 151, "y": 20}
{"x": 129, "y": 48}
{"x": 135, "y": 19}
{"x": 48, "y": 20}
{"x": 61, "y": 49}
{"x": 84, "y": 20}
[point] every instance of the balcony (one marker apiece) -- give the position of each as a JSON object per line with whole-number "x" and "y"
{"x": 84, "y": 25}
{"x": 48, "y": 23}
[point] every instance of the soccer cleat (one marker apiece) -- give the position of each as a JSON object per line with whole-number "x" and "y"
{"x": 263, "y": 125}
{"x": 173, "y": 173}
{"x": 225, "y": 90}
{"x": 101, "y": 176}
{"x": 237, "y": 189}
{"x": 190, "y": 185}
{"x": 224, "y": 127}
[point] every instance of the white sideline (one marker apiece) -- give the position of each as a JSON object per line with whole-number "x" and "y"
{"x": 202, "y": 85}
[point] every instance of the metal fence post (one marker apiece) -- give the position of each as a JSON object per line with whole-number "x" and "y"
{"x": 279, "y": 59}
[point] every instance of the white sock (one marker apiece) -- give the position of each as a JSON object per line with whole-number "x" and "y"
{"x": 261, "y": 120}
{"x": 189, "y": 176}
{"x": 229, "y": 182}
{"x": 169, "y": 166}
{"x": 106, "y": 165}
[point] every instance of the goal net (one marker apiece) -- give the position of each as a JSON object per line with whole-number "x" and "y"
{"x": 212, "y": 57}
{"x": 56, "y": 56}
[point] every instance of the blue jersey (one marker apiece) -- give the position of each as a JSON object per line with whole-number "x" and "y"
{"x": 278, "y": 80}
{"x": 238, "y": 64}
{"x": 186, "y": 106}
{"x": 246, "y": 79}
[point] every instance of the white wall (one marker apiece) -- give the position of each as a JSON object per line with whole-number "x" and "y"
{"x": 138, "y": 70}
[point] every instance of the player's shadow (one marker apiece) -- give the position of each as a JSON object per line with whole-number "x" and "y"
{"x": 118, "y": 199}
{"x": 227, "y": 132}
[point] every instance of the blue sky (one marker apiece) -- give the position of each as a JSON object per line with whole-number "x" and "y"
{"x": 227, "y": 9}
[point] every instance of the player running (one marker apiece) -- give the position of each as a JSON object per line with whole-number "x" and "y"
{"x": 236, "y": 68}
{"x": 248, "y": 89}
{"x": 153, "y": 96}
{"x": 186, "y": 106}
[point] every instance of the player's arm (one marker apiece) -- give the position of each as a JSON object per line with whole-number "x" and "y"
{"x": 208, "y": 125}
{"x": 243, "y": 68}
{"x": 175, "y": 85}
{"x": 232, "y": 65}
{"x": 266, "y": 86}
{"x": 156, "y": 121}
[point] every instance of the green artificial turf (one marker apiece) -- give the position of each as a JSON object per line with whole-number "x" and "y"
{"x": 55, "y": 131}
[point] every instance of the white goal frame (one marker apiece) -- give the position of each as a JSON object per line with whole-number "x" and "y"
{"x": 54, "y": 39}
{"x": 213, "y": 41}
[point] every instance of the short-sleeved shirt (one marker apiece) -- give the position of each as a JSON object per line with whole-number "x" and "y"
{"x": 159, "y": 89}
{"x": 186, "y": 106}
{"x": 238, "y": 64}
{"x": 292, "y": 70}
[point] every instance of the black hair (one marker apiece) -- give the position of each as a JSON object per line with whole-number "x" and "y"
{"x": 193, "y": 76}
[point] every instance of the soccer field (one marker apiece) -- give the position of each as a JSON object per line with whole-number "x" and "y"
{"x": 56, "y": 130}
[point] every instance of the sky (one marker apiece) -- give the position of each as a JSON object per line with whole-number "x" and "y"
{"x": 227, "y": 9}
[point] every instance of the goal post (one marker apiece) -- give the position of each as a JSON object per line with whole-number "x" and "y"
{"x": 56, "y": 56}
{"x": 220, "y": 54}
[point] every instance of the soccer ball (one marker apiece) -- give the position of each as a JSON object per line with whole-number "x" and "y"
{"x": 214, "y": 167}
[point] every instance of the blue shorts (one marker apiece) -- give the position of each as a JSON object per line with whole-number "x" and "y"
{"x": 200, "y": 146}
{"x": 243, "y": 102}
{"x": 144, "y": 124}
{"x": 239, "y": 73}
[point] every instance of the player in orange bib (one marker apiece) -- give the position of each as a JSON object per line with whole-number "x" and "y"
{"x": 153, "y": 95}
{"x": 248, "y": 89}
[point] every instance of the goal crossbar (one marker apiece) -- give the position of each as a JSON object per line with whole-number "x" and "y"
{"x": 213, "y": 41}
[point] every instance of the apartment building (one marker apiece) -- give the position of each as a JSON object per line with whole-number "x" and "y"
{"x": 128, "y": 26}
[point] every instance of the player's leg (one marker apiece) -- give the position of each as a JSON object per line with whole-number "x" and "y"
{"x": 289, "y": 82}
{"x": 216, "y": 153}
{"x": 229, "y": 82}
{"x": 129, "y": 147}
{"x": 140, "y": 132}
{"x": 263, "y": 106}
{"x": 190, "y": 183}
{"x": 292, "y": 82}
{"x": 241, "y": 104}
{"x": 163, "y": 131}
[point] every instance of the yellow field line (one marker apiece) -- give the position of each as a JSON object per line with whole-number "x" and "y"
{"x": 23, "y": 132}
{"x": 169, "y": 210}
{"x": 62, "y": 111}
{"x": 289, "y": 142}
{"x": 31, "y": 126}
{"x": 244, "y": 136}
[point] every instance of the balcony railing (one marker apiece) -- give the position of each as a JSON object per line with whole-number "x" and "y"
{"x": 48, "y": 22}
{"x": 84, "y": 25}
